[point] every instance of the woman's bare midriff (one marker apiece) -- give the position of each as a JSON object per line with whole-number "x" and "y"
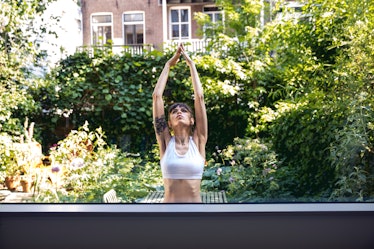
{"x": 182, "y": 190}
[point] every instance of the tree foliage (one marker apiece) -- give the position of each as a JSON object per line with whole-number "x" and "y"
{"x": 18, "y": 54}
{"x": 321, "y": 63}
{"x": 115, "y": 93}
{"x": 312, "y": 76}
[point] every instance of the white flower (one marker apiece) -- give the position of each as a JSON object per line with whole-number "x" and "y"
{"x": 77, "y": 163}
{"x": 219, "y": 171}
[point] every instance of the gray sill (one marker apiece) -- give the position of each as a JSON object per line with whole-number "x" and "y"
{"x": 187, "y": 208}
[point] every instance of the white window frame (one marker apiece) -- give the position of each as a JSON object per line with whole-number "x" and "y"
{"x": 213, "y": 13}
{"x": 93, "y": 25}
{"x": 133, "y": 23}
{"x": 180, "y": 23}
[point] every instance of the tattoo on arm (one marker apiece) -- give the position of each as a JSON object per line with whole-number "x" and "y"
{"x": 160, "y": 124}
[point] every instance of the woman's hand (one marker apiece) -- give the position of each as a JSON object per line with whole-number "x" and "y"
{"x": 174, "y": 60}
{"x": 185, "y": 55}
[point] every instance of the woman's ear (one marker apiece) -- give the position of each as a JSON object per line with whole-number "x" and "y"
{"x": 192, "y": 121}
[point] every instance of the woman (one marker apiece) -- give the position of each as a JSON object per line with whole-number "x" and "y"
{"x": 183, "y": 153}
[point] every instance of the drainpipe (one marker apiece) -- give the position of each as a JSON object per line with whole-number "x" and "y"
{"x": 164, "y": 21}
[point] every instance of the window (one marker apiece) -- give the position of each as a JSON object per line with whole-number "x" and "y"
{"x": 180, "y": 23}
{"x": 214, "y": 13}
{"x": 101, "y": 28}
{"x": 291, "y": 10}
{"x": 216, "y": 19}
{"x": 133, "y": 28}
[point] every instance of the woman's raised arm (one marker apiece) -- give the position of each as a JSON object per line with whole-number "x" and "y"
{"x": 201, "y": 122}
{"x": 159, "y": 119}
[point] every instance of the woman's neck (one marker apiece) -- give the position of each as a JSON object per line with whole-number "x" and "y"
{"x": 182, "y": 138}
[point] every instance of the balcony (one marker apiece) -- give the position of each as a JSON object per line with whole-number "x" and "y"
{"x": 133, "y": 49}
{"x": 187, "y": 1}
{"x": 195, "y": 45}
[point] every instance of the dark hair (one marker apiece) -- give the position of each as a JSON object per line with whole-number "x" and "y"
{"x": 179, "y": 104}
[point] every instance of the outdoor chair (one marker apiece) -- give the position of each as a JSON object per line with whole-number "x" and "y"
{"x": 111, "y": 197}
{"x": 206, "y": 197}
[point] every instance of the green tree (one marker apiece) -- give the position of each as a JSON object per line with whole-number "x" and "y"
{"x": 322, "y": 63}
{"x": 18, "y": 53}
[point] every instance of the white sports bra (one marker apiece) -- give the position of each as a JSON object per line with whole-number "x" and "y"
{"x": 187, "y": 166}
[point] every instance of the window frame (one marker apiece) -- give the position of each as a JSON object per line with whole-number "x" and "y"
{"x": 133, "y": 23}
{"x": 213, "y": 14}
{"x": 180, "y": 38}
{"x": 92, "y": 25}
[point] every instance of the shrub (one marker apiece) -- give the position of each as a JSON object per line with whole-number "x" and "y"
{"x": 246, "y": 170}
{"x": 84, "y": 167}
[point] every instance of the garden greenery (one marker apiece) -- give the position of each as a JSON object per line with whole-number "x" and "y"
{"x": 85, "y": 167}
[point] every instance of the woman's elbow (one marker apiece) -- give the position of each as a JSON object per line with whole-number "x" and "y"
{"x": 199, "y": 97}
{"x": 156, "y": 95}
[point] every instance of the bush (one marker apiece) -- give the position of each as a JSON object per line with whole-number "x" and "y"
{"x": 246, "y": 170}
{"x": 352, "y": 153}
{"x": 84, "y": 167}
{"x": 302, "y": 136}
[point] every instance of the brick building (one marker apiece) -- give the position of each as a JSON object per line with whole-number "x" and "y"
{"x": 139, "y": 23}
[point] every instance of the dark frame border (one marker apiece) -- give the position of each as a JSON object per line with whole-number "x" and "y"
{"x": 301, "y": 226}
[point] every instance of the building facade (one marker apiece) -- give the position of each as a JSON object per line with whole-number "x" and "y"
{"x": 143, "y": 23}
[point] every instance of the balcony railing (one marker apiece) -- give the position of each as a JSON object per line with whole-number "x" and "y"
{"x": 133, "y": 49}
{"x": 196, "y": 46}
{"x": 186, "y": 1}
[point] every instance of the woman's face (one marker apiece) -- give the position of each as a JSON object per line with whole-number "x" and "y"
{"x": 180, "y": 115}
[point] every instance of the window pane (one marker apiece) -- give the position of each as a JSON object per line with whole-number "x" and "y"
{"x": 210, "y": 16}
{"x": 107, "y": 34}
{"x": 102, "y": 35}
{"x": 129, "y": 34}
{"x": 133, "y": 17}
{"x": 174, "y": 16}
{"x": 218, "y": 17}
{"x": 102, "y": 19}
{"x": 175, "y": 31}
{"x": 134, "y": 34}
{"x": 184, "y": 28}
{"x": 184, "y": 15}
{"x": 139, "y": 38}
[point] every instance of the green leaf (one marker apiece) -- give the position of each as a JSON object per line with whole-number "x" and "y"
{"x": 108, "y": 97}
{"x": 117, "y": 108}
{"x": 118, "y": 79}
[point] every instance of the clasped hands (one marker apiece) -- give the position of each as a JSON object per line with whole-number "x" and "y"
{"x": 180, "y": 51}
